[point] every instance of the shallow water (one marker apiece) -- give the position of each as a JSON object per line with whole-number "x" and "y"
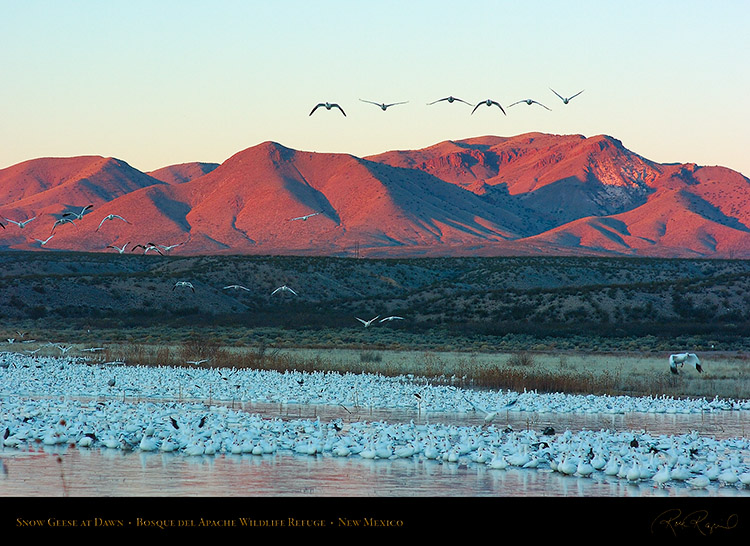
{"x": 76, "y": 472}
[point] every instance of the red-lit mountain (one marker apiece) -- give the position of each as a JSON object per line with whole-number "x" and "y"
{"x": 529, "y": 194}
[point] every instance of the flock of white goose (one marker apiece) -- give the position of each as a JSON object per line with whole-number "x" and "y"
{"x": 52, "y": 401}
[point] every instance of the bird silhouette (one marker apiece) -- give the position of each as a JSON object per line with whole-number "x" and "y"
{"x": 566, "y": 100}
{"x": 489, "y": 102}
{"x": 529, "y": 102}
{"x": 450, "y": 99}
{"x": 382, "y": 105}
{"x": 327, "y": 106}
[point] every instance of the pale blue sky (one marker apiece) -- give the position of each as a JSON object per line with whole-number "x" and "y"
{"x": 161, "y": 82}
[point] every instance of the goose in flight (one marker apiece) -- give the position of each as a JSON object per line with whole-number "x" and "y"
{"x": 328, "y": 106}
{"x": 236, "y": 287}
{"x": 529, "y": 102}
{"x": 119, "y": 249}
{"x": 45, "y": 241}
{"x": 167, "y": 248}
{"x": 20, "y": 224}
{"x": 186, "y": 284}
{"x": 284, "y": 288}
{"x": 383, "y": 106}
{"x": 367, "y": 322}
{"x": 147, "y": 247}
{"x": 63, "y": 221}
{"x": 305, "y": 217}
{"x": 79, "y": 215}
{"x": 568, "y": 99}
{"x": 111, "y": 217}
{"x": 489, "y": 102}
{"x": 682, "y": 359}
{"x": 450, "y": 99}
{"x": 391, "y": 318}
{"x": 197, "y": 362}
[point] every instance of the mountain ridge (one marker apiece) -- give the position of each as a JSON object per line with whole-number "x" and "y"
{"x": 527, "y": 194}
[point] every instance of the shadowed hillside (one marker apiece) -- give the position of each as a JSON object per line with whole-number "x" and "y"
{"x": 444, "y": 298}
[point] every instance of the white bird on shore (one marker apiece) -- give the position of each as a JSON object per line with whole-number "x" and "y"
{"x": 236, "y": 287}
{"x": 284, "y": 288}
{"x": 450, "y": 99}
{"x": 566, "y": 100}
{"x": 119, "y": 249}
{"x": 45, "y": 241}
{"x": 489, "y": 102}
{"x": 20, "y": 224}
{"x": 367, "y": 322}
{"x": 383, "y": 106}
{"x": 111, "y": 217}
{"x": 79, "y": 215}
{"x": 186, "y": 284}
{"x": 529, "y": 102}
{"x": 305, "y": 217}
{"x": 682, "y": 359}
{"x": 327, "y": 106}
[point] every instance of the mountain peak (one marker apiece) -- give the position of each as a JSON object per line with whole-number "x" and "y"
{"x": 532, "y": 192}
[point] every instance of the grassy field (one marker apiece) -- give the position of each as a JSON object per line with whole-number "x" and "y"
{"x": 725, "y": 374}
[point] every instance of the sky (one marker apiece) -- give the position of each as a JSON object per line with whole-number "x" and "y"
{"x": 156, "y": 83}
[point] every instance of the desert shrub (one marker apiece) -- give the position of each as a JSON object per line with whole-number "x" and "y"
{"x": 521, "y": 359}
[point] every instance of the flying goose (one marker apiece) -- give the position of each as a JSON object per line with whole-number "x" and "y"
{"x": 79, "y": 215}
{"x": 45, "y": 241}
{"x": 119, "y": 249}
{"x": 568, "y": 99}
{"x": 681, "y": 359}
{"x": 450, "y": 99}
{"x": 529, "y": 102}
{"x": 328, "y": 106}
{"x": 185, "y": 284}
{"x": 20, "y": 224}
{"x": 383, "y": 106}
{"x": 305, "y": 217}
{"x": 63, "y": 221}
{"x": 284, "y": 288}
{"x": 111, "y": 217}
{"x": 236, "y": 287}
{"x": 367, "y": 322}
{"x": 489, "y": 102}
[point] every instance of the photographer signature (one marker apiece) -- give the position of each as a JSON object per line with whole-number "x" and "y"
{"x": 698, "y": 520}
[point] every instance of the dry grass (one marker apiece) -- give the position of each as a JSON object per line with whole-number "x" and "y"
{"x": 725, "y": 376}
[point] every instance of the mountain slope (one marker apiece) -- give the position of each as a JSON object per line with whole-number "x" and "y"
{"x": 527, "y": 194}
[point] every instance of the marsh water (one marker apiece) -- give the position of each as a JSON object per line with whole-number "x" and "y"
{"x": 77, "y": 472}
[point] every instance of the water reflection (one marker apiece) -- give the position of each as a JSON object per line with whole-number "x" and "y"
{"x": 102, "y": 472}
